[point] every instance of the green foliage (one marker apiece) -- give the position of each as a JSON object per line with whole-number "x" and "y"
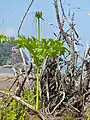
{"x": 87, "y": 113}
{"x": 5, "y": 52}
{"x": 5, "y": 49}
{"x": 3, "y": 38}
{"x": 68, "y": 116}
{"x": 29, "y": 96}
{"x": 88, "y": 118}
{"x": 39, "y": 51}
{"x": 9, "y": 53}
{"x": 16, "y": 111}
{"x": 13, "y": 112}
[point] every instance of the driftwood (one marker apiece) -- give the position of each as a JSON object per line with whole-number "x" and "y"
{"x": 74, "y": 82}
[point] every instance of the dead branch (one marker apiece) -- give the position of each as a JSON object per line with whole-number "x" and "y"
{"x": 63, "y": 97}
{"x": 21, "y": 23}
{"x": 57, "y": 15}
{"x": 81, "y": 98}
{"x": 20, "y": 87}
{"x": 19, "y": 28}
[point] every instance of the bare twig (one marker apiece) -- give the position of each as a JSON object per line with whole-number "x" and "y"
{"x": 81, "y": 98}
{"x": 14, "y": 83}
{"x": 63, "y": 12}
{"x": 63, "y": 97}
{"x": 20, "y": 88}
{"x": 21, "y": 23}
{"x": 75, "y": 109}
{"x": 57, "y": 15}
{"x": 20, "y": 29}
{"x": 67, "y": 19}
{"x": 24, "y": 16}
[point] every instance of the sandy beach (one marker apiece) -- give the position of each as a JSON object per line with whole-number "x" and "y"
{"x": 6, "y": 78}
{"x": 5, "y": 81}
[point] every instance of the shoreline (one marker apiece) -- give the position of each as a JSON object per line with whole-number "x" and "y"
{"x": 6, "y": 71}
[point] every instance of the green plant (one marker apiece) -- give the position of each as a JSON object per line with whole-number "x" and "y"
{"x": 16, "y": 111}
{"x": 68, "y": 116}
{"x": 13, "y": 112}
{"x": 29, "y": 96}
{"x": 38, "y": 16}
{"x": 39, "y": 52}
{"x": 88, "y": 118}
{"x": 39, "y": 49}
{"x": 87, "y": 113}
{"x": 3, "y": 38}
{"x": 3, "y": 58}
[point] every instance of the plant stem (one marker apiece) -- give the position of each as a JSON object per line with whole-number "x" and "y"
{"x": 38, "y": 16}
{"x": 38, "y": 20}
{"x": 37, "y": 89}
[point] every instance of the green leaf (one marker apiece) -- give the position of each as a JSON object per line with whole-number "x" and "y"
{"x": 39, "y": 51}
{"x": 3, "y": 38}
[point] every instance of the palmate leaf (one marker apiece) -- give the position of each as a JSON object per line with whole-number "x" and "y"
{"x": 39, "y": 51}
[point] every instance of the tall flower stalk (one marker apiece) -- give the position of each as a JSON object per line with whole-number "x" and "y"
{"x": 38, "y": 17}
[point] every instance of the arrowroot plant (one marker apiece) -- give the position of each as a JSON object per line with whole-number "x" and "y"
{"x": 39, "y": 49}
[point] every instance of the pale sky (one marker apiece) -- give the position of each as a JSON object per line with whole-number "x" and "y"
{"x": 11, "y": 12}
